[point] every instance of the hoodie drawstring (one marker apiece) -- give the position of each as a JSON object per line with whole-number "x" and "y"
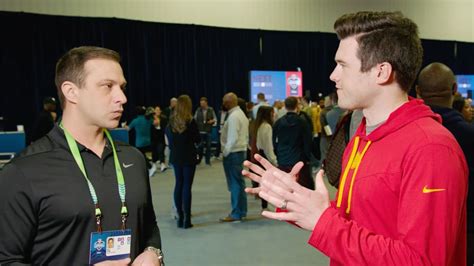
{"x": 350, "y": 165}
{"x": 354, "y": 175}
{"x": 346, "y": 171}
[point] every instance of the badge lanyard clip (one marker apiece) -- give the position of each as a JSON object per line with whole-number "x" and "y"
{"x": 124, "y": 213}
{"x": 98, "y": 217}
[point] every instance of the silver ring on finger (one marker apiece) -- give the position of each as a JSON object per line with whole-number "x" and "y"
{"x": 284, "y": 204}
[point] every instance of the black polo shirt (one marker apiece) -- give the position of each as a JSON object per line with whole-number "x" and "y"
{"x": 47, "y": 213}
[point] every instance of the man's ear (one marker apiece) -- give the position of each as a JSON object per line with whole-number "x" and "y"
{"x": 384, "y": 73}
{"x": 455, "y": 88}
{"x": 70, "y": 91}
{"x": 418, "y": 92}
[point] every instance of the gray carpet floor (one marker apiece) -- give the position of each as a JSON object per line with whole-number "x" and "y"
{"x": 256, "y": 241}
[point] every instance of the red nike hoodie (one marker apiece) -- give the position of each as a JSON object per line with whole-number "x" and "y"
{"x": 401, "y": 198}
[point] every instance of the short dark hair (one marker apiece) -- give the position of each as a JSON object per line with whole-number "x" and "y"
{"x": 385, "y": 37}
{"x": 70, "y": 67}
{"x": 306, "y": 98}
{"x": 458, "y": 103}
{"x": 141, "y": 110}
{"x": 290, "y": 103}
{"x": 242, "y": 104}
{"x": 49, "y": 100}
{"x": 264, "y": 114}
{"x": 203, "y": 99}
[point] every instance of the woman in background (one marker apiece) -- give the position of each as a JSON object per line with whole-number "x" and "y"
{"x": 263, "y": 136}
{"x": 183, "y": 136}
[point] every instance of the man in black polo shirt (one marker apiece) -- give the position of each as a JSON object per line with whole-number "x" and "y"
{"x": 74, "y": 188}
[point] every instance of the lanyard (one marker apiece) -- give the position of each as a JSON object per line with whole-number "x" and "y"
{"x": 120, "y": 181}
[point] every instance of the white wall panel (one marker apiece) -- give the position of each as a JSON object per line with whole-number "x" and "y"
{"x": 437, "y": 19}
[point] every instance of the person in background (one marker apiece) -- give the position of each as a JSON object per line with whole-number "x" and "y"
{"x": 281, "y": 112}
{"x": 45, "y": 120}
{"x": 249, "y": 110}
{"x": 158, "y": 138}
{"x": 315, "y": 110}
{"x": 168, "y": 110}
{"x": 243, "y": 106}
{"x": 262, "y": 130}
{"x": 304, "y": 111}
{"x": 334, "y": 115}
{"x": 292, "y": 142}
{"x": 183, "y": 136}
{"x": 142, "y": 125}
{"x": 261, "y": 101}
{"x": 234, "y": 142}
{"x": 167, "y": 113}
{"x": 305, "y": 105}
{"x": 326, "y": 133}
{"x": 321, "y": 103}
{"x": 277, "y": 106}
{"x": 463, "y": 106}
{"x": 205, "y": 118}
{"x": 437, "y": 87}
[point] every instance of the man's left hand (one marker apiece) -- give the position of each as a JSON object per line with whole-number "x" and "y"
{"x": 147, "y": 258}
{"x": 304, "y": 206}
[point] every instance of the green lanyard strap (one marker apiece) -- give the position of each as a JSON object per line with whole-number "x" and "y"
{"x": 118, "y": 170}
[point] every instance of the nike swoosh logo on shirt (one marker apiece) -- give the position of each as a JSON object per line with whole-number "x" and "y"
{"x": 431, "y": 190}
{"x": 126, "y": 165}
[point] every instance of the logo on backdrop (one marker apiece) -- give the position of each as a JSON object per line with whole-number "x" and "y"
{"x": 294, "y": 84}
{"x": 99, "y": 244}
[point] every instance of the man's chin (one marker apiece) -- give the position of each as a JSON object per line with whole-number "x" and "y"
{"x": 344, "y": 105}
{"x": 112, "y": 124}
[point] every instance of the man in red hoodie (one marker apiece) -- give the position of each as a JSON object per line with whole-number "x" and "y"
{"x": 402, "y": 193}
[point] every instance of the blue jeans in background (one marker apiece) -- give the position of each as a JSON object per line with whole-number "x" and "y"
{"x": 205, "y": 143}
{"x": 184, "y": 175}
{"x": 233, "y": 165}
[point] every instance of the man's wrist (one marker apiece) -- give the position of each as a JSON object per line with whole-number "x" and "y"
{"x": 158, "y": 254}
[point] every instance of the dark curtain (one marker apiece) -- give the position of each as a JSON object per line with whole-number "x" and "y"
{"x": 439, "y": 51}
{"x": 464, "y": 58}
{"x": 162, "y": 60}
{"x": 436, "y": 51}
{"x": 159, "y": 60}
{"x": 312, "y": 52}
